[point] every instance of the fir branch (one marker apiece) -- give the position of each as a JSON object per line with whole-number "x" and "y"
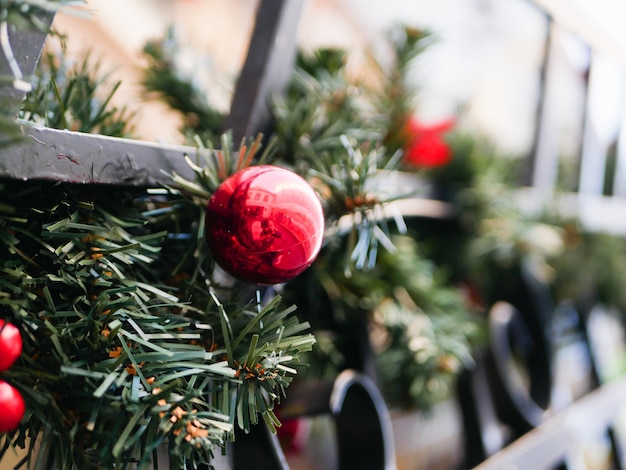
{"x": 351, "y": 186}
{"x": 163, "y": 80}
{"x": 75, "y": 97}
{"x": 322, "y": 104}
{"x": 422, "y": 329}
{"x": 264, "y": 346}
{"x": 397, "y": 97}
{"x": 335, "y": 130}
{"x": 214, "y": 166}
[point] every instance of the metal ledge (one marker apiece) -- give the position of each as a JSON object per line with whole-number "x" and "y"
{"x": 75, "y": 157}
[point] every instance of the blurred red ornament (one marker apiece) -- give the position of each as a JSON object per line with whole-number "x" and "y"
{"x": 12, "y": 407}
{"x": 10, "y": 345}
{"x": 264, "y": 225}
{"x": 289, "y": 434}
{"x": 425, "y": 146}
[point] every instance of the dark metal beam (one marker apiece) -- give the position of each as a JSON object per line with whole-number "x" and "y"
{"x": 75, "y": 157}
{"x": 267, "y": 68}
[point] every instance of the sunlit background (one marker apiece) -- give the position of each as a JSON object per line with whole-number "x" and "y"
{"x": 484, "y": 66}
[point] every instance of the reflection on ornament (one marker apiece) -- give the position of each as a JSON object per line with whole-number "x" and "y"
{"x": 264, "y": 225}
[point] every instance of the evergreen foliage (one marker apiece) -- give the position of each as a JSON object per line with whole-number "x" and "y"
{"x": 135, "y": 341}
{"x": 162, "y": 80}
{"x": 342, "y": 134}
{"x": 75, "y": 97}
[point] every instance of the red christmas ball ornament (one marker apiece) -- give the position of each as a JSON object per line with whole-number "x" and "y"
{"x": 425, "y": 145}
{"x": 264, "y": 225}
{"x": 10, "y": 345}
{"x": 12, "y": 407}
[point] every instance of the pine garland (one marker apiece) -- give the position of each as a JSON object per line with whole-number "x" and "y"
{"x": 343, "y": 135}
{"x": 133, "y": 341}
{"x": 114, "y": 362}
{"x": 421, "y": 325}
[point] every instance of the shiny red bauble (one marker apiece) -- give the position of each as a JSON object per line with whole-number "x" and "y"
{"x": 10, "y": 344}
{"x": 12, "y": 407}
{"x": 264, "y": 225}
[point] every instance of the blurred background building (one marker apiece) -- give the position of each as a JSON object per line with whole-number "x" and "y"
{"x": 486, "y": 60}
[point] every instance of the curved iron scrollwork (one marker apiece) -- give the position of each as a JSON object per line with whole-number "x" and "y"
{"x": 362, "y": 424}
{"x": 519, "y": 369}
{"x": 508, "y": 391}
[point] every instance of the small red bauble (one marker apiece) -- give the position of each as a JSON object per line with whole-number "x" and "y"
{"x": 10, "y": 345}
{"x": 12, "y": 407}
{"x": 264, "y": 225}
{"x": 425, "y": 146}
